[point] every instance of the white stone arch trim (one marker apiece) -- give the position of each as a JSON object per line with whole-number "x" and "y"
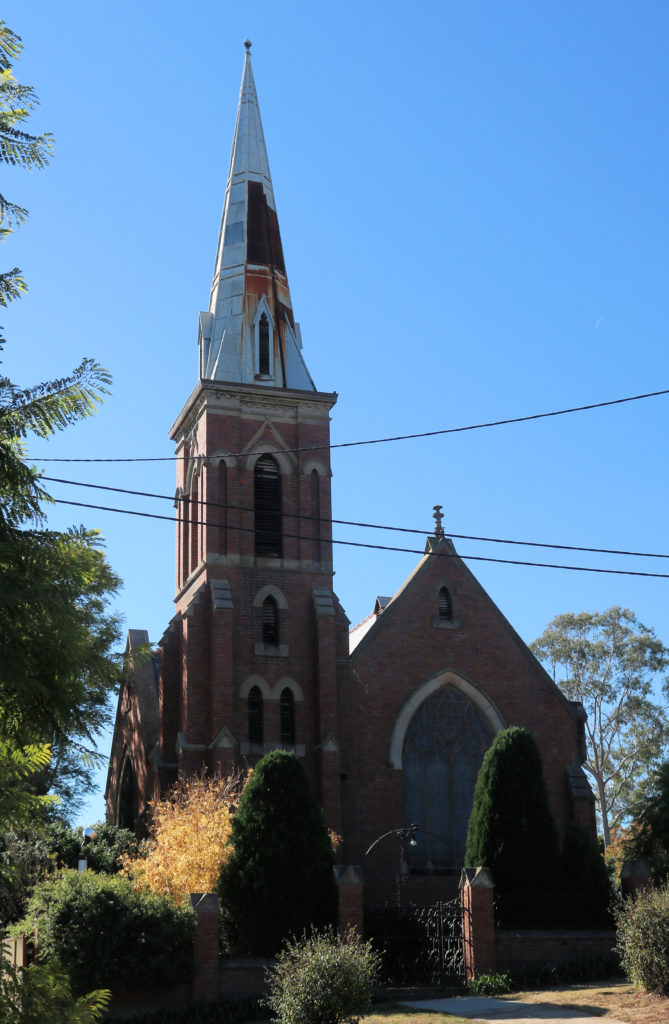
{"x": 288, "y": 684}
{"x": 267, "y": 448}
{"x": 221, "y": 455}
{"x": 315, "y": 464}
{"x": 269, "y": 591}
{"x": 425, "y": 690}
{"x": 258, "y": 681}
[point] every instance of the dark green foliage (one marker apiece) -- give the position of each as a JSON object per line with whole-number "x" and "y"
{"x": 28, "y": 855}
{"x": 103, "y": 934}
{"x": 536, "y": 976}
{"x": 278, "y": 882}
{"x": 649, "y": 837}
{"x": 38, "y": 994}
{"x": 643, "y": 939}
{"x": 511, "y": 830}
{"x": 323, "y": 979}
{"x": 231, "y": 1011}
{"x": 491, "y": 984}
{"x": 583, "y": 866}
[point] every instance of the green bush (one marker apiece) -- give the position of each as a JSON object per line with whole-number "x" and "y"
{"x": 103, "y": 934}
{"x": 489, "y": 984}
{"x": 323, "y": 979}
{"x": 278, "y": 882}
{"x": 643, "y": 939}
{"x": 511, "y": 830}
{"x": 40, "y": 994}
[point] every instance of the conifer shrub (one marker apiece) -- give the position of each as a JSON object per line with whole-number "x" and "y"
{"x": 511, "y": 830}
{"x": 103, "y": 934}
{"x": 643, "y": 939}
{"x": 323, "y": 979}
{"x": 278, "y": 881}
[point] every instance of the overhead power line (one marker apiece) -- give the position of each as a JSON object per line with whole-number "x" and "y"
{"x": 385, "y": 440}
{"x": 379, "y": 547}
{"x": 362, "y": 525}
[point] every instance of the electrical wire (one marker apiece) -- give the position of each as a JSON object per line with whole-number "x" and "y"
{"x": 385, "y": 440}
{"x": 362, "y": 525}
{"x": 379, "y": 547}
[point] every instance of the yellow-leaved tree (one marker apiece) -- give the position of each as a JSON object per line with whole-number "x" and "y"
{"x": 188, "y": 837}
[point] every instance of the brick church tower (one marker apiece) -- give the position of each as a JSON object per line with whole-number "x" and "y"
{"x": 249, "y": 661}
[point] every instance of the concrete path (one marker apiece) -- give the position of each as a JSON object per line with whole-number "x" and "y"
{"x": 499, "y": 1011}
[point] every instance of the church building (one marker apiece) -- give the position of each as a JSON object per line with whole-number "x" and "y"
{"x": 390, "y": 720}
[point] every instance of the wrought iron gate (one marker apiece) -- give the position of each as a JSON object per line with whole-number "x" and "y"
{"x": 421, "y": 945}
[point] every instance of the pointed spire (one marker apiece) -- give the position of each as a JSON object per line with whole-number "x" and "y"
{"x": 249, "y": 334}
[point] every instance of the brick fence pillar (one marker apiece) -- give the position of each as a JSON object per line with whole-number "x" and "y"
{"x": 350, "y": 913}
{"x": 478, "y": 921}
{"x": 205, "y": 946}
{"x": 635, "y": 877}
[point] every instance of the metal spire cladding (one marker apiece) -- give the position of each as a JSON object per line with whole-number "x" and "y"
{"x": 249, "y": 334}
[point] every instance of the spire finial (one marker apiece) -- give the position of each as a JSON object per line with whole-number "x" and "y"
{"x": 247, "y": 44}
{"x": 438, "y": 516}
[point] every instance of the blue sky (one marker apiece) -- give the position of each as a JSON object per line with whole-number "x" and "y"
{"x": 473, "y": 204}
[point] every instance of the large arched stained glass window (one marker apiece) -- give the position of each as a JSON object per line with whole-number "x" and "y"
{"x": 443, "y": 750}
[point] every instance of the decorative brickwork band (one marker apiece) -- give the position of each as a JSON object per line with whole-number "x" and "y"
{"x": 349, "y": 882}
{"x": 478, "y": 922}
{"x": 205, "y": 946}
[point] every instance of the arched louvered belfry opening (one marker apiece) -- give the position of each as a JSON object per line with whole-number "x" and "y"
{"x": 267, "y": 508}
{"x": 270, "y": 622}
{"x": 445, "y": 604}
{"x": 127, "y": 796}
{"x": 256, "y": 717}
{"x": 444, "y": 746}
{"x": 263, "y": 345}
{"x": 287, "y": 715}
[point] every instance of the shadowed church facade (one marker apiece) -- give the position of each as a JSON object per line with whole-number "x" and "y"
{"x": 390, "y": 720}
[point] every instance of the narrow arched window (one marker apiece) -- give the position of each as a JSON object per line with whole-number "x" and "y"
{"x": 270, "y": 622}
{"x": 316, "y": 513}
{"x": 185, "y": 538}
{"x": 126, "y": 808}
{"x": 194, "y": 526}
{"x": 267, "y": 506}
{"x": 263, "y": 345}
{"x": 222, "y": 508}
{"x": 255, "y": 716}
{"x": 445, "y": 604}
{"x": 287, "y": 711}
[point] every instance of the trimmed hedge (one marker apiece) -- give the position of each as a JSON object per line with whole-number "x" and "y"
{"x": 103, "y": 934}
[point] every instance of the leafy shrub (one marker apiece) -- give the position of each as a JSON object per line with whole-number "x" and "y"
{"x": 489, "y": 984}
{"x": 583, "y": 865}
{"x": 278, "y": 882}
{"x": 36, "y": 994}
{"x": 511, "y": 830}
{"x": 643, "y": 939}
{"x": 29, "y": 854}
{"x": 323, "y": 979}
{"x": 188, "y": 837}
{"x": 104, "y": 934}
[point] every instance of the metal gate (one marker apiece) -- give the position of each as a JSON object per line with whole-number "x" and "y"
{"x": 420, "y": 945}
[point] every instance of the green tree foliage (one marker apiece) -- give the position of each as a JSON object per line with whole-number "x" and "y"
{"x": 323, "y": 979}
{"x": 511, "y": 830}
{"x": 609, "y": 662}
{"x": 17, "y": 147}
{"x": 29, "y": 855}
{"x": 583, "y": 866}
{"x": 102, "y": 933}
{"x": 643, "y": 940}
{"x": 56, "y": 636}
{"x": 648, "y": 837}
{"x": 278, "y": 881}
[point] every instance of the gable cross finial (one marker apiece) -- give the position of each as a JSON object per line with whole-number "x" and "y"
{"x": 247, "y": 44}
{"x": 438, "y": 516}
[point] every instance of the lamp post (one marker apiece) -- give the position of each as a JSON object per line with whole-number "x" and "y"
{"x": 87, "y": 835}
{"x": 408, "y": 834}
